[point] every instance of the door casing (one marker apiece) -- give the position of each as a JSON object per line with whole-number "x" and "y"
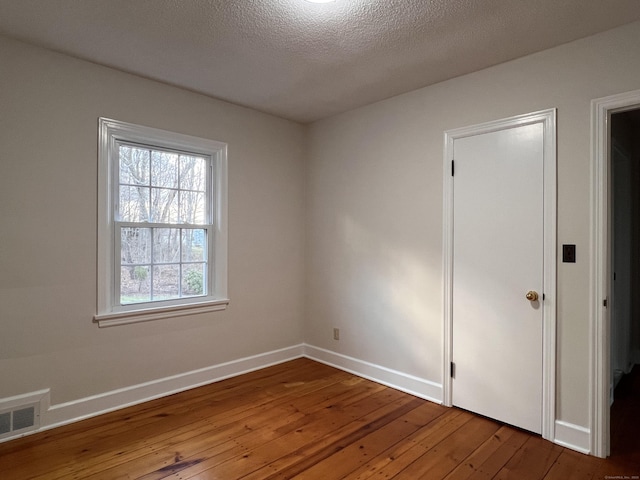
{"x": 600, "y": 273}
{"x": 548, "y": 120}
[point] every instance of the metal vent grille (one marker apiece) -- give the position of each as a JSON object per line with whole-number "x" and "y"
{"x": 24, "y": 418}
{"x": 18, "y": 420}
{"x": 5, "y": 423}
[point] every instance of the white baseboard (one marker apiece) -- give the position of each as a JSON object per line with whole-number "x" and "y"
{"x": 568, "y": 435}
{"x": 573, "y": 436}
{"x": 64, "y": 413}
{"x": 419, "y": 387}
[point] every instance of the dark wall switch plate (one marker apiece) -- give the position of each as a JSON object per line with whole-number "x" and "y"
{"x": 568, "y": 253}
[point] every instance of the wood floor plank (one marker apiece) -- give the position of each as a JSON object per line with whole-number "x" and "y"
{"x": 305, "y": 420}
{"x": 617, "y": 469}
{"x": 332, "y": 439}
{"x": 396, "y": 459}
{"x": 248, "y": 434}
{"x": 444, "y": 457}
{"x": 353, "y": 456}
{"x": 258, "y": 427}
{"x": 218, "y": 419}
{"x": 485, "y": 462}
{"x": 571, "y": 466}
{"x": 532, "y": 461}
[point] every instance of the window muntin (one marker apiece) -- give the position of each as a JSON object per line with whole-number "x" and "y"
{"x": 161, "y": 224}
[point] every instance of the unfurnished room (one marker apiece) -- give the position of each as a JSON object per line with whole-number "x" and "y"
{"x": 320, "y": 239}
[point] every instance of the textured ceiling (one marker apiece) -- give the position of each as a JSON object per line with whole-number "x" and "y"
{"x": 300, "y": 60}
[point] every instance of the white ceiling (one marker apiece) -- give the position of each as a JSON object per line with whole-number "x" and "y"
{"x": 300, "y": 60}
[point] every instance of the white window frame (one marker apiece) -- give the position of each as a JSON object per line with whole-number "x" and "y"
{"x": 109, "y": 311}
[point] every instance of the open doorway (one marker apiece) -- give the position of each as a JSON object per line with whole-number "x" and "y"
{"x": 602, "y": 262}
{"x": 624, "y": 155}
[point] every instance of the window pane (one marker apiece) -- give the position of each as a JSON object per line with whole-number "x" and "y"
{"x": 135, "y": 246}
{"x": 192, "y": 207}
{"x": 164, "y": 205}
{"x": 135, "y": 282}
{"x": 166, "y": 245}
{"x": 134, "y": 204}
{"x": 194, "y": 245}
{"x": 193, "y": 173}
{"x": 164, "y": 169}
{"x": 134, "y": 165}
{"x": 194, "y": 279}
{"x": 166, "y": 281}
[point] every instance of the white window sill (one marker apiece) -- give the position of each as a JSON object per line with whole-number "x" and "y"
{"x": 148, "y": 314}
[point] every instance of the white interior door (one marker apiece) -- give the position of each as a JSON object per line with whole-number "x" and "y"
{"x": 497, "y": 251}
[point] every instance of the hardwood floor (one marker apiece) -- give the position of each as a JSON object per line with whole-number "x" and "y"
{"x": 302, "y": 420}
{"x": 625, "y": 419}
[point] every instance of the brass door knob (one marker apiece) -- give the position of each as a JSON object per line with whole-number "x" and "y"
{"x": 532, "y": 296}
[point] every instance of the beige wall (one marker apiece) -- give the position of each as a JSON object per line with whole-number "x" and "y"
{"x": 374, "y": 216}
{"x": 49, "y": 109}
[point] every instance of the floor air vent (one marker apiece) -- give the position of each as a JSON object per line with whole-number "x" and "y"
{"x": 21, "y": 414}
{"x": 19, "y": 420}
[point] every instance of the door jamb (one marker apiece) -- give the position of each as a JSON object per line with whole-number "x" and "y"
{"x": 548, "y": 119}
{"x": 599, "y": 348}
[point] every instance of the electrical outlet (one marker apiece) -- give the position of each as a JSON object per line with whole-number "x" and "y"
{"x": 336, "y": 334}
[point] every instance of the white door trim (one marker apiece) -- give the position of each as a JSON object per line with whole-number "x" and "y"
{"x": 548, "y": 119}
{"x": 600, "y": 356}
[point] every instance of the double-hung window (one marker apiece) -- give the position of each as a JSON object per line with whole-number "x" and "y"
{"x": 161, "y": 224}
